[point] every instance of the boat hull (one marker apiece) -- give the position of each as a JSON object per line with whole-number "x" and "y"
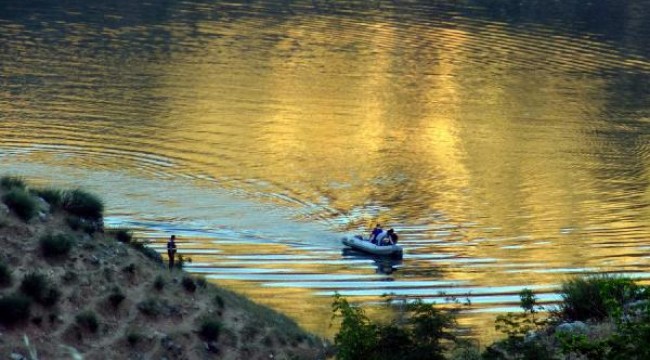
{"x": 360, "y": 244}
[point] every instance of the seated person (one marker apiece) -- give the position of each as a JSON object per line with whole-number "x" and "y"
{"x": 373, "y": 235}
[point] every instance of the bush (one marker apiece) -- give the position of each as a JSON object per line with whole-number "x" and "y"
{"x": 14, "y": 308}
{"x": 21, "y": 202}
{"x": 218, "y": 300}
{"x": 189, "y": 284}
{"x": 83, "y": 204}
{"x": 123, "y": 235}
{"x": 56, "y": 245}
{"x": 596, "y": 297}
{"x": 210, "y": 329}
{"x": 133, "y": 338}
{"x": 37, "y": 287}
{"x": 147, "y": 251}
{"x": 5, "y": 275}
{"x": 150, "y": 307}
{"x": 88, "y": 320}
{"x": 420, "y": 337}
{"x": 11, "y": 182}
{"x": 54, "y": 197}
{"x": 159, "y": 283}
{"x": 116, "y": 297}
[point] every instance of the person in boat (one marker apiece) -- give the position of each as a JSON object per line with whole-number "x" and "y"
{"x": 392, "y": 235}
{"x": 387, "y": 238}
{"x": 375, "y": 232}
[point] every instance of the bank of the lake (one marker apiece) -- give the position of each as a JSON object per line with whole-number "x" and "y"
{"x": 70, "y": 287}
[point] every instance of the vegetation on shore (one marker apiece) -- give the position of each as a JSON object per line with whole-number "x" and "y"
{"x": 69, "y": 289}
{"x": 600, "y": 317}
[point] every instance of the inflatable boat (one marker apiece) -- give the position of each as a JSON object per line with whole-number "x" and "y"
{"x": 359, "y": 243}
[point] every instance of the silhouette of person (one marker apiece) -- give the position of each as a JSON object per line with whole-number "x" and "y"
{"x": 171, "y": 251}
{"x": 376, "y": 231}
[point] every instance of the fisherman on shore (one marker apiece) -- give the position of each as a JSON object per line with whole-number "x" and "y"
{"x": 171, "y": 251}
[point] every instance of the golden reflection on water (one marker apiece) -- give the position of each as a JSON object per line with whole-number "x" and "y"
{"x": 479, "y": 141}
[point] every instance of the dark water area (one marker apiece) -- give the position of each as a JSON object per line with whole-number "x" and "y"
{"x": 506, "y": 141}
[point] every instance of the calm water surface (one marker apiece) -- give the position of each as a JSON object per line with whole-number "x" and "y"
{"x": 507, "y": 151}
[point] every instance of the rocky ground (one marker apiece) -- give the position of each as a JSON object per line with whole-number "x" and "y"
{"x": 106, "y": 299}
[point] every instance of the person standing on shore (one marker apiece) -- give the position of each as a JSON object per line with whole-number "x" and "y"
{"x": 171, "y": 251}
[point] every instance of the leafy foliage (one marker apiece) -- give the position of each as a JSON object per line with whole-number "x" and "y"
{"x": 421, "y": 336}
{"x": 517, "y": 325}
{"x": 596, "y": 297}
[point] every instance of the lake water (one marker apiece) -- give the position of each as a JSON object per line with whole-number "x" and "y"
{"x": 507, "y": 143}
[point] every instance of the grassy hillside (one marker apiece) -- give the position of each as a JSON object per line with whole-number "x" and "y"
{"x": 70, "y": 289}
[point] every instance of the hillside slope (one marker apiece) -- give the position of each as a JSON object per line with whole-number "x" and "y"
{"x": 65, "y": 292}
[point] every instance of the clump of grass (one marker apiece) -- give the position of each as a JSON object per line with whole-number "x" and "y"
{"x": 159, "y": 283}
{"x": 54, "y": 197}
{"x": 87, "y": 320}
{"x": 11, "y": 182}
{"x": 147, "y": 251}
{"x": 21, "y": 202}
{"x": 596, "y": 297}
{"x": 150, "y": 307}
{"x": 56, "y": 245}
{"x": 37, "y": 287}
{"x": 218, "y": 300}
{"x": 83, "y": 204}
{"x": 201, "y": 282}
{"x": 5, "y": 275}
{"x": 116, "y": 297}
{"x": 123, "y": 235}
{"x": 133, "y": 338}
{"x": 189, "y": 284}
{"x": 210, "y": 329}
{"x": 14, "y": 308}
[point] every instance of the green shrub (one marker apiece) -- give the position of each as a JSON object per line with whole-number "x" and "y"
{"x": 596, "y": 297}
{"x": 133, "y": 338}
{"x": 123, "y": 235}
{"x": 150, "y": 307}
{"x": 37, "y": 287}
{"x": 116, "y": 297}
{"x": 218, "y": 300}
{"x": 421, "y": 336}
{"x": 11, "y": 182}
{"x": 188, "y": 283}
{"x": 210, "y": 329}
{"x": 21, "y": 202}
{"x": 83, "y": 204}
{"x": 54, "y": 197}
{"x": 14, "y": 308}
{"x": 5, "y": 275}
{"x": 201, "y": 282}
{"x": 159, "y": 283}
{"x": 147, "y": 251}
{"x": 87, "y": 320}
{"x": 56, "y": 245}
